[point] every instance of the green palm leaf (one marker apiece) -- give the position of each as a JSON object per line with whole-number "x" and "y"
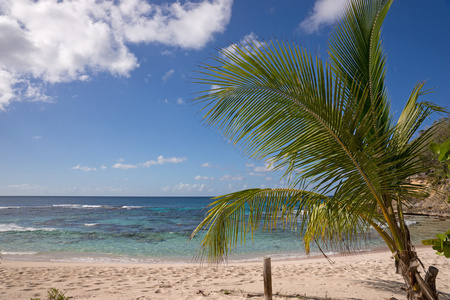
{"x": 232, "y": 216}
{"x": 325, "y": 124}
{"x": 357, "y": 54}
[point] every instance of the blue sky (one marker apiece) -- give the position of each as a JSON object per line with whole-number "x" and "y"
{"x": 95, "y": 95}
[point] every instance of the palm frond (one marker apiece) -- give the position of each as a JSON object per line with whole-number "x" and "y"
{"x": 278, "y": 103}
{"x": 401, "y": 156}
{"x": 326, "y": 124}
{"x": 339, "y": 225}
{"x": 317, "y": 217}
{"x": 357, "y": 55}
{"x": 232, "y": 216}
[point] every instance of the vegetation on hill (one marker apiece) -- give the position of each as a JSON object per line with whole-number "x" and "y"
{"x": 436, "y": 156}
{"x": 435, "y": 160}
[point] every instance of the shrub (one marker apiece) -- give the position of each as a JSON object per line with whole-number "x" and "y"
{"x": 54, "y": 294}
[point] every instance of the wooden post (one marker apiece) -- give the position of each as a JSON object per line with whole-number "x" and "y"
{"x": 424, "y": 288}
{"x": 430, "y": 278}
{"x": 267, "y": 274}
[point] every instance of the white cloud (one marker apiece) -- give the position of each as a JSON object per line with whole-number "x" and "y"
{"x": 256, "y": 174}
{"x": 185, "y": 187}
{"x": 37, "y": 137}
{"x": 324, "y": 12}
{"x": 214, "y": 88}
{"x": 161, "y": 160}
{"x": 188, "y": 25}
{"x": 248, "y": 42}
{"x": 166, "y": 52}
{"x": 73, "y": 189}
{"x": 111, "y": 189}
{"x": 34, "y": 92}
{"x": 7, "y": 91}
{"x": 47, "y": 42}
{"x": 208, "y": 165}
{"x": 233, "y": 178}
{"x": 84, "y": 77}
{"x": 167, "y": 75}
{"x": 84, "y": 190}
{"x": 260, "y": 169}
{"x": 180, "y": 101}
{"x": 36, "y": 45}
{"x": 103, "y": 167}
{"x": 198, "y": 177}
{"x": 25, "y": 186}
{"x": 84, "y": 168}
{"x": 124, "y": 166}
{"x": 249, "y": 165}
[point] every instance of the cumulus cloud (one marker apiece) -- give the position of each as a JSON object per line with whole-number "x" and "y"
{"x": 198, "y": 177}
{"x": 248, "y": 42}
{"x": 108, "y": 189}
{"x": 161, "y": 160}
{"x": 261, "y": 170}
{"x": 187, "y": 25}
{"x": 37, "y": 137}
{"x": 166, "y": 52}
{"x": 185, "y": 187}
{"x": 208, "y": 165}
{"x": 324, "y": 12}
{"x": 124, "y": 166}
{"x": 84, "y": 168}
{"x": 233, "y": 178}
{"x": 24, "y": 186}
{"x": 180, "y": 101}
{"x": 256, "y": 174}
{"x": 167, "y": 75}
{"x": 214, "y": 88}
{"x": 266, "y": 168}
{"x": 53, "y": 41}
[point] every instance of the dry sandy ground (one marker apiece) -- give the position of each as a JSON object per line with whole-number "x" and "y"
{"x": 362, "y": 276}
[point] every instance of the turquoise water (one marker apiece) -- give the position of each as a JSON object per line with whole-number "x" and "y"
{"x": 136, "y": 229}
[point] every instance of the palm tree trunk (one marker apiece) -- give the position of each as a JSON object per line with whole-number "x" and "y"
{"x": 407, "y": 263}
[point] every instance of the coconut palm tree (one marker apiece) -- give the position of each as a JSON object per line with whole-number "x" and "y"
{"x": 328, "y": 126}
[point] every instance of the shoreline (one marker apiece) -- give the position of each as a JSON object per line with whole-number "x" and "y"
{"x": 364, "y": 275}
{"x": 101, "y": 258}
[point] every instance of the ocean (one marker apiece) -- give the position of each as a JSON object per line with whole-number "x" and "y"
{"x": 141, "y": 230}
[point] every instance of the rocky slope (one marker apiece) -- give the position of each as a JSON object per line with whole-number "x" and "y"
{"x": 436, "y": 204}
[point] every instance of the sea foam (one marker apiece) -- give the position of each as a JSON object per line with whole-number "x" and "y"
{"x": 15, "y": 227}
{"x": 18, "y": 253}
{"x": 84, "y": 206}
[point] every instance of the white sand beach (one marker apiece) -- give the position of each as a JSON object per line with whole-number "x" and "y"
{"x": 361, "y": 276}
